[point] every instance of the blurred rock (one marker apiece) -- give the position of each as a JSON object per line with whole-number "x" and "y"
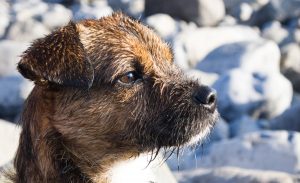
{"x": 202, "y": 12}
{"x": 258, "y": 56}
{"x": 164, "y": 25}
{"x": 28, "y": 30}
{"x": 14, "y": 90}
{"x": 10, "y": 52}
{"x": 280, "y": 10}
{"x": 289, "y": 120}
{"x": 290, "y": 64}
{"x": 198, "y": 43}
{"x": 56, "y": 16}
{"x": 228, "y": 21}
{"x": 9, "y": 139}
{"x": 5, "y": 17}
{"x": 243, "y": 125}
{"x": 93, "y": 11}
{"x": 243, "y": 13}
{"x": 25, "y": 10}
{"x": 274, "y": 31}
{"x": 204, "y": 78}
{"x": 233, "y": 175}
{"x": 133, "y": 8}
{"x": 264, "y": 150}
{"x": 219, "y": 132}
{"x": 254, "y": 94}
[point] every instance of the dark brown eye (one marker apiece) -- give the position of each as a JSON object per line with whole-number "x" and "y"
{"x": 129, "y": 78}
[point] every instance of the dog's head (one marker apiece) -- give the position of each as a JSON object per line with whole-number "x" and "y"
{"x": 116, "y": 87}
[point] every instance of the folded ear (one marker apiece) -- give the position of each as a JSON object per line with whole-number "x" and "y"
{"x": 58, "y": 58}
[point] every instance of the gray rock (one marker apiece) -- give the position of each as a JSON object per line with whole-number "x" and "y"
{"x": 5, "y": 17}
{"x": 203, "y": 77}
{"x": 243, "y": 125}
{"x": 14, "y": 90}
{"x": 93, "y": 11}
{"x": 280, "y": 10}
{"x": 264, "y": 150}
{"x": 198, "y": 43}
{"x": 56, "y": 16}
{"x": 202, "y": 12}
{"x": 25, "y": 10}
{"x": 133, "y": 8}
{"x": 289, "y": 120}
{"x": 254, "y": 94}
{"x": 228, "y": 21}
{"x": 27, "y": 30}
{"x": 10, "y": 52}
{"x": 258, "y": 56}
{"x": 275, "y": 32}
{"x": 243, "y": 12}
{"x": 290, "y": 64}
{"x": 219, "y": 132}
{"x": 233, "y": 175}
{"x": 9, "y": 139}
{"x": 164, "y": 25}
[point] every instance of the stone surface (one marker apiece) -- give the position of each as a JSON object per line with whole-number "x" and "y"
{"x": 133, "y": 8}
{"x": 264, "y": 150}
{"x": 25, "y": 10}
{"x": 28, "y": 30}
{"x": 204, "y": 78}
{"x": 259, "y": 56}
{"x": 57, "y": 15}
{"x": 290, "y": 64}
{"x": 14, "y": 90}
{"x": 219, "y": 132}
{"x": 93, "y": 11}
{"x": 9, "y": 139}
{"x": 289, "y": 120}
{"x": 10, "y": 52}
{"x": 243, "y": 125}
{"x": 275, "y": 31}
{"x": 234, "y": 175}
{"x": 202, "y": 12}
{"x": 164, "y": 25}
{"x": 5, "y": 17}
{"x": 198, "y": 43}
{"x": 257, "y": 95}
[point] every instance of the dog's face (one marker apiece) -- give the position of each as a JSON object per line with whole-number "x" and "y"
{"x": 116, "y": 87}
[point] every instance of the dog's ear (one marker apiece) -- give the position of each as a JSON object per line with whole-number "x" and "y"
{"x": 58, "y": 58}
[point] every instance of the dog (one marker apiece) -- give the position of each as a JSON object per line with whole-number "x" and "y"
{"x": 105, "y": 91}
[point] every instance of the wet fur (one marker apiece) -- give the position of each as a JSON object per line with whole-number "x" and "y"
{"x": 79, "y": 120}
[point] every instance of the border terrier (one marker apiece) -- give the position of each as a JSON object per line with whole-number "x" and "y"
{"x": 105, "y": 91}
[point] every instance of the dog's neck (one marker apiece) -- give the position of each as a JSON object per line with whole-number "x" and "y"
{"x": 42, "y": 155}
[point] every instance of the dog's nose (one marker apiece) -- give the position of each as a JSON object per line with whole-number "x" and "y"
{"x": 205, "y": 96}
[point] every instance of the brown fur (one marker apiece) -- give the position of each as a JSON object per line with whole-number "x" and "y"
{"x": 80, "y": 119}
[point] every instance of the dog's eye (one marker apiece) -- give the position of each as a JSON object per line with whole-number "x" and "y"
{"x": 129, "y": 78}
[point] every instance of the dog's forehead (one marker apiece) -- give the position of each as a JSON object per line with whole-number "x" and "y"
{"x": 118, "y": 37}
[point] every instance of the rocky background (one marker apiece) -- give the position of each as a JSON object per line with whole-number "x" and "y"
{"x": 248, "y": 50}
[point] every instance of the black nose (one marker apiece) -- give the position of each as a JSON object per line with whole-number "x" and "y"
{"x": 205, "y": 96}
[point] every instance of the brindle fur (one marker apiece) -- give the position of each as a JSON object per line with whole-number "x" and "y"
{"x": 79, "y": 120}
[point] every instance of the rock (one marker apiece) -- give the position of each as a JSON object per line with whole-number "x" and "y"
{"x": 254, "y": 94}
{"x": 13, "y": 91}
{"x": 198, "y": 43}
{"x": 9, "y": 139}
{"x": 5, "y": 17}
{"x": 28, "y": 30}
{"x": 134, "y": 8}
{"x": 258, "y": 56}
{"x": 280, "y": 10}
{"x": 10, "y": 52}
{"x": 93, "y": 11}
{"x": 243, "y": 125}
{"x": 164, "y": 25}
{"x": 204, "y": 78}
{"x": 233, "y": 175}
{"x": 202, "y": 12}
{"x": 228, "y": 21}
{"x": 26, "y": 10}
{"x": 289, "y": 120}
{"x": 219, "y": 132}
{"x": 264, "y": 150}
{"x": 243, "y": 13}
{"x": 290, "y": 64}
{"x": 56, "y": 16}
{"x": 275, "y": 32}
